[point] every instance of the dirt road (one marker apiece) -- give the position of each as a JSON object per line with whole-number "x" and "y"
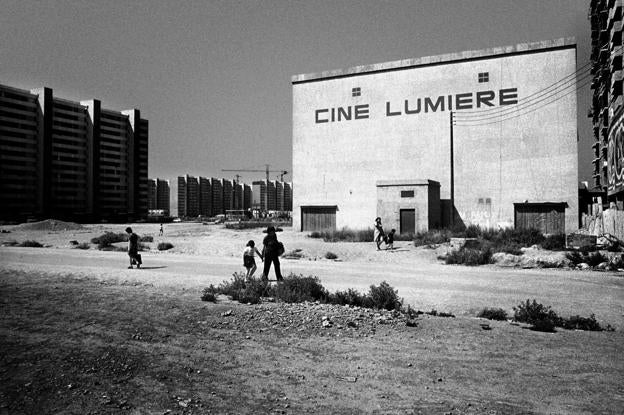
{"x": 424, "y": 284}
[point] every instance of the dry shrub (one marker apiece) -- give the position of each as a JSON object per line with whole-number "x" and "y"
{"x": 164, "y": 246}
{"x": 493, "y": 314}
{"x": 31, "y": 244}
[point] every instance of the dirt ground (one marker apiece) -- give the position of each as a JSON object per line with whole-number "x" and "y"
{"x": 93, "y": 337}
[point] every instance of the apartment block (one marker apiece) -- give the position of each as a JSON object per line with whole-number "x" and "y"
{"x": 271, "y": 197}
{"x": 70, "y": 160}
{"x": 163, "y": 196}
{"x": 228, "y": 201}
{"x": 217, "y": 197}
{"x": 205, "y": 197}
{"x": 246, "y": 197}
{"x": 279, "y": 196}
{"x": 21, "y": 154}
{"x": 259, "y": 195}
{"x": 607, "y": 110}
{"x": 288, "y": 196}
{"x": 238, "y": 196}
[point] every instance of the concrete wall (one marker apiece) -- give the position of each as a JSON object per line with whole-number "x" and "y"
{"x": 531, "y": 157}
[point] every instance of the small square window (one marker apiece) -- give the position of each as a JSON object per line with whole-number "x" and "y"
{"x": 407, "y": 193}
{"x": 488, "y": 201}
{"x": 484, "y": 77}
{"x": 356, "y": 92}
{"x": 480, "y": 200}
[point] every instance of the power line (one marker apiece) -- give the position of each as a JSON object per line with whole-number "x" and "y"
{"x": 533, "y": 99}
{"x": 520, "y": 107}
{"x": 535, "y": 94}
{"x": 467, "y": 123}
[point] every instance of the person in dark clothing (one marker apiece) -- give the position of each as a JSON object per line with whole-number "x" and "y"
{"x": 133, "y": 248}
{"x": 270, "y": 253}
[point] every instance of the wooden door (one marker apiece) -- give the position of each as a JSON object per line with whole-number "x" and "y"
{"x": 318, "y": 218}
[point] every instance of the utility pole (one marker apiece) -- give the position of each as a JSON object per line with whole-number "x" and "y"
{"x": 452, "y": 208}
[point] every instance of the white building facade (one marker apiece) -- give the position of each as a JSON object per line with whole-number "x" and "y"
{"x": 514, "y": 158}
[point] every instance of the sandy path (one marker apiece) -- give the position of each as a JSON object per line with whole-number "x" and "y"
{"x": 423, "y": 284}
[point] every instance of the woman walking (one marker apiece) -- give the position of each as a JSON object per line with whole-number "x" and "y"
{"x": 271, "y": 253}
{"x": 378, "y": 235}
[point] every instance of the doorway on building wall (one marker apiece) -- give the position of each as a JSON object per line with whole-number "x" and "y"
{"x": 547, "y": 217}
{"x": 318, "y": 218}
{"x": 407, "y": 222}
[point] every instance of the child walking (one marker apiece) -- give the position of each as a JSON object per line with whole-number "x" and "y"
{"x": 248, "y": 258}
{"x": 390, "y": 239}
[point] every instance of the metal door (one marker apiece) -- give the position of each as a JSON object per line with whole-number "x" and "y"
{"x": 408, "y": 221}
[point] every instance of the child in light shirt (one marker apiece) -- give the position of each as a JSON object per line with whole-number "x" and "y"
{"x": 248, "y": 258}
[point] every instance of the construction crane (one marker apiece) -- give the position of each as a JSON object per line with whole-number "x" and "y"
{"x": 267, "y": 171}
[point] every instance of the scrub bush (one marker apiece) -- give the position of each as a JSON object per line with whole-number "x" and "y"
{"x": 581, "y": 323}
{"x": 164, "y": 246}
{"x": 109, "y": 238}
{"x": 593, "y": 259}
{"x": 208, "y": 294}
{"x": 83, "y": 245}
{"x": 539, "y": 315}
{"x": 331, "y": 255}
{"x": 349, "y": 297}
{"x": 241, "y": 289}
{"x": 344, "y": 235}
{"x": 31, "y": 244}
{"x": 297, "y": 289}
{"x": 493, "y": 314}
{"x": 146, "y": 238}
{"x": 554, "y": 243}
{"x": 384, "y": 296}
{"x": 433, "y": 237}
{"x": 469, "y": 256}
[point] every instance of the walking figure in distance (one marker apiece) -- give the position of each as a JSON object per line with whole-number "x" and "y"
{"x": 161, "y": 230}
{"x": 378, "y": 235}
{"x": 248, "y": 258}
{"x": 133, "y": 248}
{"x": 390, "y": 239}
{"x": 270, "y": 253}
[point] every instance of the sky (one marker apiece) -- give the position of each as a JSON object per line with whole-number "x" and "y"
{"x": 214, "y": 77}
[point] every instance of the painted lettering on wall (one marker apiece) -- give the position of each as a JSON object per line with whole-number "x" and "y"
{"x": 461, "y": 101}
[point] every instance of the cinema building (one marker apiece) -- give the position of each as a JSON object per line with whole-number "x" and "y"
{"x": 486, "y": 137}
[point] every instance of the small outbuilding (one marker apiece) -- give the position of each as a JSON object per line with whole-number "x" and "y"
{"x": 409, "y": 206}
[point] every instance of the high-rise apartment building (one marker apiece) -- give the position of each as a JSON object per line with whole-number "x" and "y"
{"x": 158, "y": 195}
{"x": 151, "y": 194}
{"x": 188, "y": 196}
{"x": 205, "y": 197}
{"x": 259, "y": 195}
{"x": 163, "y": 196}
{"x": 279, "y": 196}
{"x": 217, "y": 197}
{"x": 70, "y": 160}
{"x": 246, "y": 196}
{"x": 607, "y": 109}
{"x": 228, "y": 201}
{"x": 238, "y": 196}
{"x": 288, "y": 196}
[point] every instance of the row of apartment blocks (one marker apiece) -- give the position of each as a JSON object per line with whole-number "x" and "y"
{"x": 201, "y": 196}
{"x": 159, "y": 196}
{"x": 70, "y": 160}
